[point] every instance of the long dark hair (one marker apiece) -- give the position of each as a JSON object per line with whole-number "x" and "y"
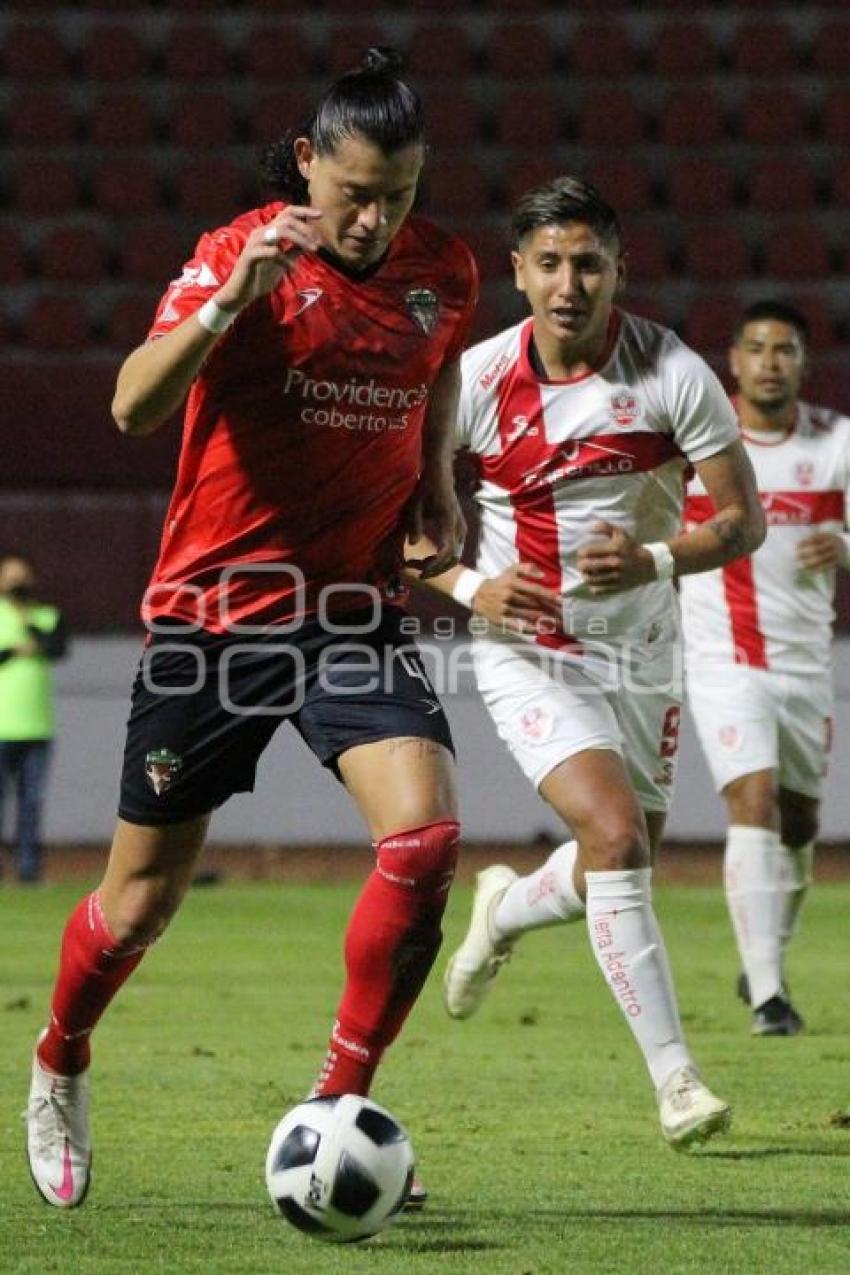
{"x": 371, "y": 102}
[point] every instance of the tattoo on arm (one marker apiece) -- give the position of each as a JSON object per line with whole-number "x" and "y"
{"x": 730, "y": 534}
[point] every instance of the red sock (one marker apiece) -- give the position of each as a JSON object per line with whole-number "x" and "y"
{"x": 91, "y": 969}
{"x": 392, "y": 940}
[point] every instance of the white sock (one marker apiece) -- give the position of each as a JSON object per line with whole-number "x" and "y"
{"x": 795, "y": 877}
{"x": 630, "y": 951}
{"x": 754, "y": 895}
{"x": 545, "y": 897}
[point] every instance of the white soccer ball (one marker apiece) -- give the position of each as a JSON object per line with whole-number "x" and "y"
{"x": 339, "y": 1168}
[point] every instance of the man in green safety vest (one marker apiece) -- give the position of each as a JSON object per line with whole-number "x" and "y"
{"x": 32, "y": 636}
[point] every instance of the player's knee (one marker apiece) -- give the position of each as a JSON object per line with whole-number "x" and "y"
{"x": 421, "y": 859}
{"x": 617, "y": 845}
{"x": 752, "y": 800}
{"x": 140, "y": 914}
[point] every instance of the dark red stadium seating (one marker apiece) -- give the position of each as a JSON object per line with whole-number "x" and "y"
{"x": 700, "y": 185}
{"x": 202, "y": 119}
{"x": 270, "y": 114}
{"x": 829, "y": 385}
{"x": 196, "y": 52}
{"x": 625, "y": 182}
{"x": 648, "y": 307}
{"x": 709, "y": 322}
{"x": 277, "y": 51}
{"x": 820, "y": 320}
{"x": 452, "y": 121}
{"x": 491, "y": 248}
{"x": 840, "y": 189}
{"x": 763, "y": 48}
{"x": 521, "y": 177}
{"x": 74, "y": 254}
{"x": 130, "y": 320}
{"x": 766, "y": 117}
{"x": 716, "y": 251}
{"x": 13, "y": 256}
{"x": 440, "y": 49}
{"x": 56, "y": 321}
{"x": 113, "y": 53}
{"x": 153, "y": 251}
{"x": 692, "y": 117}
{"x": 600, "y": 49}
{"x": 646, "y": 254}
{"x": 122, "y": 119}
{"x": 127, "y": 187}
{"x": 41, "y": 117}
{"x": 43, "y": 186}
{"x": 31, "y": 52}
{"x": 532, "y": 113}
{"x": 518, "y": 49}
{"x": 681, "y": 50}
{"x": 456, "y": 187}
{"x": 609, "y": 117}
{"x": 210, "y": 189}
{"x": 831, "y": 48}
{"x": 835, "y": 117}
{"x": 346, "y": 42}
{"x": 797, "y": 250}
{"x": 785, "y": 184}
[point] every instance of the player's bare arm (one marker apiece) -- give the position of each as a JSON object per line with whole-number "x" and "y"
{"x": 823, "y": 551}
{"x": 435, "y": 510}
{"x": 513, "y": 600}
{"x": 155, "y": 379}
{"x": 615, "y": 561}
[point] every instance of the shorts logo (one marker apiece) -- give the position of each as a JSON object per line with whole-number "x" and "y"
{"x": 728, "y": 736}
{"x": 624, "y": 409}
{"x": 162, "y": 767}
{"x": 424, "y": 308}
{"x": 804, "y": 472}
{"x": 537, "y": 724}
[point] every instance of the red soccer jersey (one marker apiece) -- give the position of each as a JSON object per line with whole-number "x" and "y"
{"x": 302, "y": 439}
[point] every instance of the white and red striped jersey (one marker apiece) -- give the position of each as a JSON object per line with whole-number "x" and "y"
{"x": 554, "y": 457}
{"x": 766, "y": 611}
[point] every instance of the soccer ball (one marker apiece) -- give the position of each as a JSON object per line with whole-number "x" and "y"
{"x": 339, "y": 1168}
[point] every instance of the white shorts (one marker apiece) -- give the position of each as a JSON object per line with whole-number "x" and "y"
{"x": 751, "y": 719}
{"x": 548, "y": 708}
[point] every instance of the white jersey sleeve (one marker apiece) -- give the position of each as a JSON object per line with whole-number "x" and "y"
{"x": 702, "y": 419}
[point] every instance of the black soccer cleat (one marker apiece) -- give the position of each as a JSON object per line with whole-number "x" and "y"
{"x": 776, "y": 1017}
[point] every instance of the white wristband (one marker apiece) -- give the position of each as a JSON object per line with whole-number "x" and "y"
{"x": 466, "y": 586}
{"x": 665, "y": 563}
{"x": 213, "y": 318}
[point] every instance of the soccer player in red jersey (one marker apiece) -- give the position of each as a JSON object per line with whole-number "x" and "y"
{"x": 317, "y": 339}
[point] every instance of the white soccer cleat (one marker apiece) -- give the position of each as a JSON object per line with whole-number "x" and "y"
{"x": 689, "y": 1111}
{"x": 480, "y": 956}
{"x": 58, "y": 1142}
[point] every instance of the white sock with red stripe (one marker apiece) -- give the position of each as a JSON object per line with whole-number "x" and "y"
{"x": 630, "y": 951}
{"x": 795, "y": 877}
{"x": 545, "y": 897}
{"x": 752, "y": 871}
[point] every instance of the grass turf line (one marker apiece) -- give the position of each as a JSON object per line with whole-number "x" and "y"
{"x": 534, "y": 1122}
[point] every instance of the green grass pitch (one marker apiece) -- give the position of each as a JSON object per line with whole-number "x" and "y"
{"x": 534, "y": 1123}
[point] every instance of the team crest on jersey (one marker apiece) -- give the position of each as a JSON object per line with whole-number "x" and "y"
{"x": 162, "y": 767}
{"x": 424, "y": 307}
{"x": 624, "y": 409}
{"x": 536, "y": 725}
{"x": 804, "y": 472}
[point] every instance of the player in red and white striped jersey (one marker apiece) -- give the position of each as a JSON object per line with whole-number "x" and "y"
{"x": 758, "y": 649}
{"x": 581, "y": 422}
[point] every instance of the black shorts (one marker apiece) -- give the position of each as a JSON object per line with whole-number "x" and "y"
{"x": 205, "y": 706}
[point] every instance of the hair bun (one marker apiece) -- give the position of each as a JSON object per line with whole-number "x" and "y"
{"x": 382, "y": 60}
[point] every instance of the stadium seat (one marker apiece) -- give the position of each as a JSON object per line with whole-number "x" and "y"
{"x": 702, "y": 186}
{"x": 13, "y": 256}
{"x": 153, "y": 251}
{"x": 521, "y": 177}
{"x": 840, "y": 186}
{"x": 202, "y": 119}
{"x": 683, "y": 50}
{"x": 692, "y": 117}
{"x": 819, "y": 318}
{"x": 41, "y": 117}
{"x": 210, "y": 189}
{"x": 269, "y": 115}
{"x": 451, "y": 120}
{"x": 113, "y": 53}
{"x": 715, "y": 250}
{"x": 277, "y": 51}
{"x": 74, "y": 254}
{"x": 33, "y": 52}
{"x": 122, "y": 119}
{"x": 625, "y": 183}
{"x": 533, "y": 113}
{"x": 127, "y": 187}
{"x": 709, "y": 322}
{"x": 196, "y": 52}
{"x": 831, "y": 48}
{"x": 646, "y": 305}
{"x": 782, "y": 185}
{"x": 440, "y": 49}
{"x": 56, "y": 322}
{"x": 130, "y": 320}
{"x": 829, "y": 385}
{"x": 600, "y": 50}
{"x": 518, "y": 49}
{"x": 763, "y": 48}
{"x": 610, "y": 117}
{"x": 835, "y": 117}
{"x": 766, "y": 117}
{"x": 796, "y": 250}
{"x": 491, "y": 248}
{"x": 646, "y": 254}
{"x": 456, "y": 187}
{"x": 42, "y": 186}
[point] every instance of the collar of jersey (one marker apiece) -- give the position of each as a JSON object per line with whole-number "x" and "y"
{"x": 614, "y": 325}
